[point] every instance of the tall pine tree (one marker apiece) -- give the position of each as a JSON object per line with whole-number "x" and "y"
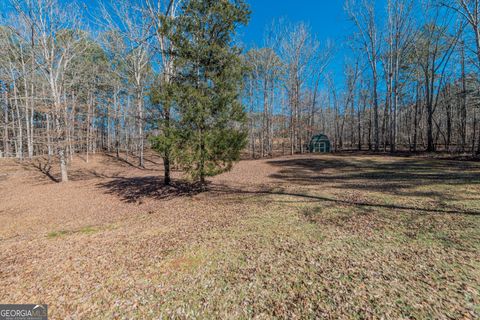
{"x": 208, "y": 83}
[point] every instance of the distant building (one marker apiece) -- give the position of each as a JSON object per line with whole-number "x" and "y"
{"x": 319, "y": 144}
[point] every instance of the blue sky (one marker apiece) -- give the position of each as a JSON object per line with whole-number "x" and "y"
{"x": 326, "y": 18}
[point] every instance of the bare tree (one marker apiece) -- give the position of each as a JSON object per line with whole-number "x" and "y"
{"x": 400, "y": 36}
{"x": 363, "y": 15}
{"x": 298, "y": 49}
{"x": 59, "y": 41}
{"x": 433, "y": 49}
{"x": 129, "y": 21}
{"x": 469, "y": 10}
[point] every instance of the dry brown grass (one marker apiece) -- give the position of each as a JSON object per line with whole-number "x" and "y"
{"x": 340, "y": 236}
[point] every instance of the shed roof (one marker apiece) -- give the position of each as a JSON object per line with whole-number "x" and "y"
{"x": 320, "y": 137}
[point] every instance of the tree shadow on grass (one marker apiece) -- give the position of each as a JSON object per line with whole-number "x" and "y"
{"x": 316, "y": 198}
{"x": 135, "y": 189}
{"x": 154, "y": 160}
{"x": 44, "y": 167}
{"x": 111, "y": 159}
{"x": 394, "y": 176}
{"x": 391, "y": 176}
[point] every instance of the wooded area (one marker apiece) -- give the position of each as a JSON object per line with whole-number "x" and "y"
{"x": 81, "y": 80}
{"x": 410, "y": 82}
{"x": 184, "y": 141}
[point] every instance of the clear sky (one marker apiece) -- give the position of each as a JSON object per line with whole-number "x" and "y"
{"x": 327, "y": 20}
{"x": 325, "y": 17}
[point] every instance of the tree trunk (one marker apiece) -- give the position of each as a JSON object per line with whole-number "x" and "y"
{"x": 60, "y": 144}
{"x": 375, "y": 110}
{"x": 166, "y": 158}
{"x": 141, "y": 161}
{"x": 19, "y": 150}
{"x": 89, "y": 110}
{"x": 6, "y": 144}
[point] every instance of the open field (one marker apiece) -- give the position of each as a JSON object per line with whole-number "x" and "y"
{"x": 333, "y": 236}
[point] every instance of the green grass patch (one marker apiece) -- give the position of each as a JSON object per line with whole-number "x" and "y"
{"x": 88, "y": 230}
{"x": 56, "y": 234}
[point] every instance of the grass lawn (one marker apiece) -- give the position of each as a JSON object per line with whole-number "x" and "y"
{"x": 344, "y": 236}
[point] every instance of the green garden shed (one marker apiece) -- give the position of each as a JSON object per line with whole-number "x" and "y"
{"x": 319, "y": 144}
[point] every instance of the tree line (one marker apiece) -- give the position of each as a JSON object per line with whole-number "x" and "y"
{"x": 410, "y": 82}
{"x": 171, "y": 75}
{"x": 121, "y": 77}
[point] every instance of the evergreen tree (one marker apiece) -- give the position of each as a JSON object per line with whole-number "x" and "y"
{"x": 208, "y": 86}
{"x": 162, "y": 96}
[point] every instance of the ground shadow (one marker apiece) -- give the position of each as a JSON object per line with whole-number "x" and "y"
{"x": 44, "y": 167}
{"x": 111, "y": 159}
{"x": 315, "y": 198}
{"x": 112, "y": 164}
{"x": 391, "y": 176}
{"x": 366, "y": 174}
{"x": 135, "y": 189}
